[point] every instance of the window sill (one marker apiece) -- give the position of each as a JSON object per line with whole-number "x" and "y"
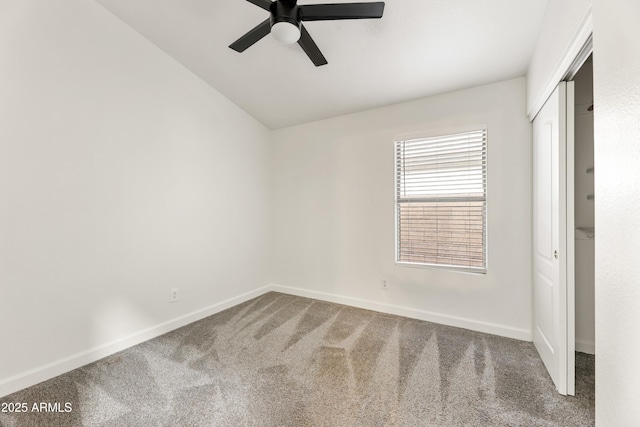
{"x": 453, "y": 268}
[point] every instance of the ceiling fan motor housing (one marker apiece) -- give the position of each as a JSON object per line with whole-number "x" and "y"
{"x": 284, "y": 11}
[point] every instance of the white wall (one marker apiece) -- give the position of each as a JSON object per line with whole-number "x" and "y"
{"x": 122, "y": 175}
{"x": 617, "y": 176}
{"x": 333, "y": 221}
{"x": 565, "y": 27}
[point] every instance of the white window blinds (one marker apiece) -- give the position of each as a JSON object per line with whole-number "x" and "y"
{"x": 441, "y": 194}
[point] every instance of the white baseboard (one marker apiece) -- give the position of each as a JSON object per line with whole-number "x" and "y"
{"x": 443, "y": 319}
{"x": 58, "y": 367}
{"x": 588, "y": 347}
{"x": 61, "y": 366}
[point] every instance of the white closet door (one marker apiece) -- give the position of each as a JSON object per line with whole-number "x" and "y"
{"x": 553, "y": 299}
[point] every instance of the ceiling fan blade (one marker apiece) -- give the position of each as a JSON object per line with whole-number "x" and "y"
{"x": 252, "y": 36}
{"x": 265, "y": 4}
{"x": 310, "y": 48}
{"x": 329, "y": 12}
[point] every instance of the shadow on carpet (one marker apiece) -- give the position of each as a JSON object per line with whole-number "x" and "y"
{"x": 281, "y": 360}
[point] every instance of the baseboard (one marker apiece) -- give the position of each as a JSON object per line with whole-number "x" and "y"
{"x": 53, "y": 369}
{"x": 588, "y": 347}
{"x": 443, "y": 319}
{"x": 61, "y": 366}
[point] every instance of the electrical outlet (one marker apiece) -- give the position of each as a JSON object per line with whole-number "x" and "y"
{"x": 383, "y": 284}
{"x": 174, "y": 295}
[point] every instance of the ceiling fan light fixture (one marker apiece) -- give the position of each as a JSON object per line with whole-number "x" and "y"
{"x": 286, "y": 32}
{"x": 286, "y": 19}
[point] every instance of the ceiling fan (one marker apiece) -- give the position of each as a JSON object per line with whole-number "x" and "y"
{"x": 286, "y": 17}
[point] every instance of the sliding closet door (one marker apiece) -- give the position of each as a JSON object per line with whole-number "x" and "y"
{"x": 553, "y": 299}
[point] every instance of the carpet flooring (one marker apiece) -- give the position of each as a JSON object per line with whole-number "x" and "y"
{"x": 281, "y": 360}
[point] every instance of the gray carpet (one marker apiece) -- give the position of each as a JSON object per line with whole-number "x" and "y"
{"x": 280, "y": 360}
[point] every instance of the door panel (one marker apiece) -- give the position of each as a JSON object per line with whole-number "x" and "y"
{"x": 551, "y": 299}
{"x": 543, "y": 194}
{"x": 544, "y": 310}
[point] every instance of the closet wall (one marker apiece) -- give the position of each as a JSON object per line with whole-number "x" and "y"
{"x": 584, "y": 210}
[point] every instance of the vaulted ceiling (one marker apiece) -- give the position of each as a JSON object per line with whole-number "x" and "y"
{"x": 419, "y": 48}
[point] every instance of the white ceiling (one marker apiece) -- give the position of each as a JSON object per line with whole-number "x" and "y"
{"x": 419, "y": 48}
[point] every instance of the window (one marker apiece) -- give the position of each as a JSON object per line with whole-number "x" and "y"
{"x": 441, "y": 201}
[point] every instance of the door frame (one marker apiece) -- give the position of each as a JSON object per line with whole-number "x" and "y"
{"x": 571, "y": 240}
{"x": 574, "y": 58}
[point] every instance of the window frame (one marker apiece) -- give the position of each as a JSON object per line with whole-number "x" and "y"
{"x": 433, "y": 133}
